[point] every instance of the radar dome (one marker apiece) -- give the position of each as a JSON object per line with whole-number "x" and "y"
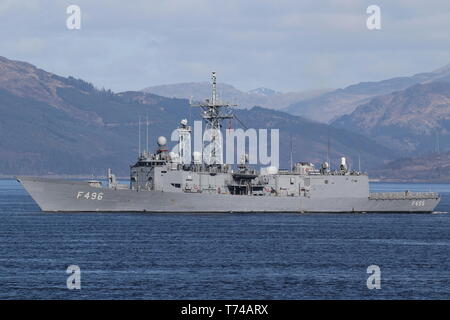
{"x": 162, "y": 141}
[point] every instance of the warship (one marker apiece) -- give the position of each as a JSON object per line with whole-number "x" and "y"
{"x": 166, "y": 182}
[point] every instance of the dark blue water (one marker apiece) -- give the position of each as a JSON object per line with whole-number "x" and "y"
{"x": 225, "y": 256}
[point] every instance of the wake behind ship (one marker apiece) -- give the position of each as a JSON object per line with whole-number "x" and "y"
{"x": 166, "y": 182}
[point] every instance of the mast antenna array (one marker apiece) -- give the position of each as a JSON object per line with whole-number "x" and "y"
{"x": 212, "y": 115}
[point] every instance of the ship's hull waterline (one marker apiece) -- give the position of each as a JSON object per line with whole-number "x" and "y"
{"x": 55, "y": 195}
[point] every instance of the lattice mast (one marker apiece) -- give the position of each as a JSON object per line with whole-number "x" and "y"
{"x": 213, "y": 114}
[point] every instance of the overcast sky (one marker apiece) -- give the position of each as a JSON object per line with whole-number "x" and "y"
{"x": 281, "y": 44}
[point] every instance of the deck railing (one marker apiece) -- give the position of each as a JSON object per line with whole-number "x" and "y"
{"x": 403, "y": 195}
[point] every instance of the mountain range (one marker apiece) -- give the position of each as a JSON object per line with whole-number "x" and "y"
{"x": 414, "y": 121}
{"x": 61, "y": 125}
{"x": 432, "y": 167}
{"x": 263, "y": 97}
{"x": 324, "y": 105}
{"x": 329, "y": 106}
{"x": 51, "y": 124}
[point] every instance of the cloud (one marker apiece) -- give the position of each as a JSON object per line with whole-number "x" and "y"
{"x": 287, "y": 45}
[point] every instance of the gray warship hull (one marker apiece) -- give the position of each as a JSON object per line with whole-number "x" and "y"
{"x": 57, "y": 195}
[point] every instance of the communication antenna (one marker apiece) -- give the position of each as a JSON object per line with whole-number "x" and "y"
{"x": 359, "y": 162}
{"x": 214, "y": 89}
{"x": 290, "y": 136}
{"x": 139, "y": 128}
{"x": 147, "y": 129}
{"x": 190, "y": 109}
{"x": 328, "y": 145}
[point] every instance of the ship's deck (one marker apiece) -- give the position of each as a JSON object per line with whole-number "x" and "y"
{"x": 403, "y": 195}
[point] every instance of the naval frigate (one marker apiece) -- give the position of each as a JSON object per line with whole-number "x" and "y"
{"x": 165, "y": 182}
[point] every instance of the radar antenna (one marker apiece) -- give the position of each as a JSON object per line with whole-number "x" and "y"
{"x": 212, "y": 115}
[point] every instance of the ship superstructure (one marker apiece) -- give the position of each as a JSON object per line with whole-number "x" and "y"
{"x": 179, "y": 181}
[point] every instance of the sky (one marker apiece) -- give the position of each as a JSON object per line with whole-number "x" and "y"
{"x": 285, "y": 45}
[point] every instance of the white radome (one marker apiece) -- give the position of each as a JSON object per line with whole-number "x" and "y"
{"x": 162, "y": 141}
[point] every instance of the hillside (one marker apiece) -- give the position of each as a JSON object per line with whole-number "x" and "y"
{"x": 331, "y": 105}
{"x": 310, "y": 140}
{"x": 411, "y": 120}
{"x": 434, "y": 167}
{"x": 55, "y": 125}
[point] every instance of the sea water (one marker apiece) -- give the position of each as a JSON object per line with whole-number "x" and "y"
{"x": 223, "y": 256}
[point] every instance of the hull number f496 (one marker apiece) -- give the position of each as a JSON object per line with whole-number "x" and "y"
{"x": 418, "y": 203}
{"x": 90, "y": 195}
